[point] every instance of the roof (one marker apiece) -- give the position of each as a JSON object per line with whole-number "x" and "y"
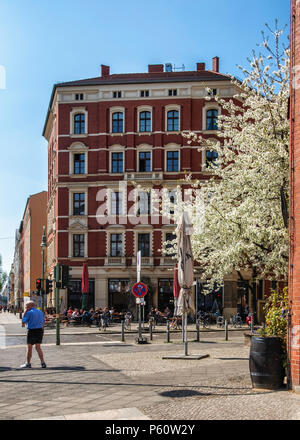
{"x": 140, "y": 78}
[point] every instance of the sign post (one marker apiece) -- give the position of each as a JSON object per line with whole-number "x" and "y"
{"x": 139, "y": 290}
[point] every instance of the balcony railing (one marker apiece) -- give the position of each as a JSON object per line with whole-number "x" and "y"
{"x": 115, "y": 261}
{"x": 143, "y": 176}
{"x": 145, "y": 261}
{"x": 167, "y": 261}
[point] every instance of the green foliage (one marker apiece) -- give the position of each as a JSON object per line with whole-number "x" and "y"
{"x": 276, "y": 309}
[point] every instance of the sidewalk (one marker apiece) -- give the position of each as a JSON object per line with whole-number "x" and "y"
{"x": 115, "y": 381}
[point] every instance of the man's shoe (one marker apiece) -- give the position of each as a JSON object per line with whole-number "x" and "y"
{"x": 44, "y": 365}
{"x": 25, "y": 365}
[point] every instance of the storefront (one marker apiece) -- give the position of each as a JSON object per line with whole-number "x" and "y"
{"x": 209, "y": 300}
{"x": 165, "y": 294}
{"x": 119, "y": 294}
{"x": 75, "y": 295}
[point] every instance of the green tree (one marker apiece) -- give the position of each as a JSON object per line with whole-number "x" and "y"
{"x": 3, "y": 275}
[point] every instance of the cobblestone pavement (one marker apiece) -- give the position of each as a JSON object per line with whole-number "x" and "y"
{"x": 97, "y": 377}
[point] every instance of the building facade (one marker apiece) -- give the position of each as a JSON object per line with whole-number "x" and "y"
{"x": 107, "y": 135}
{"x": 18, "y": 269}
{"x": 34, "y": 218}
{"x": 294, "y": 261}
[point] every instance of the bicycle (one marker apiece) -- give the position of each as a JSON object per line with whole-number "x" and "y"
{"x": 220, "y": 321}
{"x": 236, "y": 321}
{"x": 204, "y": 320}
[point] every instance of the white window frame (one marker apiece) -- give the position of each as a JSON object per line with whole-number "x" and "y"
{"x": 144, "y": 149}
{"x": 78, "y": 148}
{"x": 108, "y": 241}
{"x": 143, "y": 230}
{"x": 169, "y": 108}
{"x": 144, "y": 108}
{"x": 73, "y": 113}
{"x": 71, "y": 249}
{"x": 73, "y": 191}
{"x": 209, "y": 106}
{"x": 109, "y": 201}
{"x": 116, "y": 149}
{"x": 113, "y": 110}
{"x": 169, "y": 148}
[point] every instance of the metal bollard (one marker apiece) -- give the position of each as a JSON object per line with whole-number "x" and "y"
{"x": 198, "y": 331}
{"x": 168, "y": 331}
{"x": 182, "y": 321}
{"x": 226, "y": 330}
{"x": 150, "y": 330}
{"x": 123, "y": 331}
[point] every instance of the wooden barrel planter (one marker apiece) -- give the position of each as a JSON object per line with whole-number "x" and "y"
{"x": 265, "y": 362}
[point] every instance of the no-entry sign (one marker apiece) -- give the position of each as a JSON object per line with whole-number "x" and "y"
{"x": 139, "y": 289}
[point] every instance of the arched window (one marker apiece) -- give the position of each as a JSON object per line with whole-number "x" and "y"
{"x": 145, "y": 121}
{"x": 212, "y": 119}
{"x": 117, "y": 122}
{"x": 173, "y": 120}
{"x": 79, "y": 123}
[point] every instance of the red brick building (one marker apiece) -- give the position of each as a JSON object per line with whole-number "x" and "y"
{"x": 119, "y": 129}
{"x": 294, "y": 263}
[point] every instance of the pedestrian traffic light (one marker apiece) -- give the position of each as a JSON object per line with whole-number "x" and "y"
{"x": 49, "y": 286}
{"x": 65, "y": 276}
{"x": 39, "y": 284}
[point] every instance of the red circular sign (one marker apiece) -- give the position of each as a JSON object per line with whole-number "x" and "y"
{"x": 139, "y": 289}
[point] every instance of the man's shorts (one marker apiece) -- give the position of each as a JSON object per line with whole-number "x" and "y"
{"x": 35, "y": 336}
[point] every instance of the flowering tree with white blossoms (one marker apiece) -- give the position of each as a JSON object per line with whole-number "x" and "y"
{"x": 238, "y": 213}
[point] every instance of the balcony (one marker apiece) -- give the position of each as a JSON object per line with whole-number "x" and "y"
{"x": 167, "y": 261}
{"x": 115, "y": 261}
{"x": 143, "y": 176}
{"x": 146, "y": 261}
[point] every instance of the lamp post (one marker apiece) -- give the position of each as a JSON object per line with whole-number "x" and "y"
{"x": 43, "y": 246}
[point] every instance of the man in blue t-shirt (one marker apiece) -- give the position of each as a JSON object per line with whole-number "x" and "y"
{"x": 34, "y": 319}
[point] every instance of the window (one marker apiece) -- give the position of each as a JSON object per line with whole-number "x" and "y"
{"x": 173, "y": 120}
{"x": 212, "y": 119}
{"x": 116, "y": 203}
{"x": 79, "y": 123}
{"x": 172, "y": 161}
{"x": 78, "y": 245}
{"x": 173, "y": 201}
{"x": 144, "y": 93}
{"x": 145, "y": 161}
{"x": 78, "y": 204}
{"x": 117, "y": 162}
{"x": 117, "y": 122}
{"x": 79, "y": 163}
{"x": 116, "y": 245}
{"x": 143, "y": 203}
{"x": 172, "y": 92}
{"x": 170, "y": 237}
{"x": 211, "y": 157}
{"x": 117, "y": 94}
{"x": 144, "y": 244}
{"x": 79, "y": 96}
{"x": 212, "y": 92}
{"x": 145, "y": 121}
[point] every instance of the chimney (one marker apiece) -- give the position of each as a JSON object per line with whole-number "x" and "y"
{"x": 200, "y": 66}
{"x": 215, "y": 64}
{"x": 104, "y": 70}
{"x": 155, "y": 68}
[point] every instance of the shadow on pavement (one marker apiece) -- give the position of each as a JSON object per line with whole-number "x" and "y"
{"x": 183, "y": 393}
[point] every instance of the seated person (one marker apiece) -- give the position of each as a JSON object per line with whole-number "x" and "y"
{"x": 95, "y": 318}
{"x": 76, "y": 316}
{"x": 86, "y": 317}
{"x": 167, "y": 312}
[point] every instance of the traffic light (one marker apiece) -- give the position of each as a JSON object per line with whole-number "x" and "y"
{"x": 39, "y": 284}
{"x": 65, "y": 276}
{"x": 49, "y": 286}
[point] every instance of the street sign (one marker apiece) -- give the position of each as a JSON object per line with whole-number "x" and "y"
{"x": 139, "y": 289}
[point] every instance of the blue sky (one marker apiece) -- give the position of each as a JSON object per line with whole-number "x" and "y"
{"x": 47, "y": 41}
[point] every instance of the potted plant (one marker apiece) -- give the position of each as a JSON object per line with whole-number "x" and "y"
{"x": 268, "y": 352}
